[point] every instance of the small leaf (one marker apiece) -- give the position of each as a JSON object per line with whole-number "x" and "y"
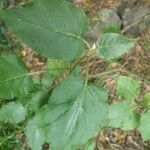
{"x": 56, "y": 67}
{"x": 122, "y": 116}
{"x": 146, "y": 100}
{"x": 15, "y": 79}
{"x": 127, "y": 87}
{"x": 144, "y": 125}
{"x": 53, "y": 28}
{"x": 113, "y": 45}
{"x": 12, "y": 112}
{"x": 73, "y": 111}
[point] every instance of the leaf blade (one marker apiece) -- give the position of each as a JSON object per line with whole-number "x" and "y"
{"x": 15, "y": 80}
{"x": 144, "y": 125}
{"x": 127, "y": 87}
{"x": 122, "y": 116}
{"x": 13, "y": 113}
{"x": 69, "y": 118}
{"x": 113, "y": 45}
{"x": 52, "y": 28}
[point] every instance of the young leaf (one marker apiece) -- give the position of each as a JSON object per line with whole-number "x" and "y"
{"x": 122, "y": 116}
{"x": 144, "y": 125}
{"x": 50, "y": 27}
{"x": 113, "y": 45}
{"x": 12, "y": 112}
{"x": 15, "y": 80}
{"x": 57, "y": 66}
{"x": 146, "y": 100}
{"x": 73, "y": 111}
{"x": 127, "y": 87}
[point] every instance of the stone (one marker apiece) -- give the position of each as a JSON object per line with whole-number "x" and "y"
{"x": 106, "y": 18}
{"x": 109, "y": 17}
{"x": 131, "y": 15}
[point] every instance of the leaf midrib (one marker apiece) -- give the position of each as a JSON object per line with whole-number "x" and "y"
{"x": 47, "y": 28}
{"x": 17, "y": 77}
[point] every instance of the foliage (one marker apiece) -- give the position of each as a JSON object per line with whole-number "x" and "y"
{"x": 59, "y": 33}
{"x": 127, "y": 87}
{"x": 68, "y": 113}
{"x": 144, "y": 125}
{"x": 121, "y": 115}
{"x": 113, "y": 45}
{"x": 146, "y": 100}
{"x": 12, "y": 112}
{"x": 71, "y": 113}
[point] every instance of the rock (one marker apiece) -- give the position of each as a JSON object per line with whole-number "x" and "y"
{"x": 109, "y": 17}
{"x": 106, "y": 18}
{"x": 132, "y": 14}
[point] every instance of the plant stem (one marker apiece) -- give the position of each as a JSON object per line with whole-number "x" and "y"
{"x": 87, "y": 73}
{"x": 87, "y": 57}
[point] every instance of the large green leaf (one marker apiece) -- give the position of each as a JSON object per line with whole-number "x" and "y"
{"x": 15, "y": 80}
{"x": 122, "y": 116}
{"x": 51, "y": 27}
{"x": 113, "y": 45}
{"x": 74, "y": 114}
{"x": 144, "y": 125}
{"x": 12, "y": 112}
{"x": 127, "y": 87}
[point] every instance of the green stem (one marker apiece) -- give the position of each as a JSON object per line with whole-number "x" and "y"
{"x": 87, "y": 74}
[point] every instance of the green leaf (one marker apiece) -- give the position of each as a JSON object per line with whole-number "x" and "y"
{"x": 36, "y": 100}
{"x": 113, "y": 45}
{"x": 56, "y": 66}
{"x": 144, "y": 125}
{"x": 47, "y": 80}
{"x": 12, "y": 112}
{"x": 122, "y": 116}
{"x": 127, "y": 87}
{"x": 114, "y": 28}
{"x": 50, "y": 27}
{"x": 90, "y": 145}
{"x": 15, "y": 80}
{"x": 36, "y": 135}
{"x": 74, "y": 111}
{"x": 146, "y": 100}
